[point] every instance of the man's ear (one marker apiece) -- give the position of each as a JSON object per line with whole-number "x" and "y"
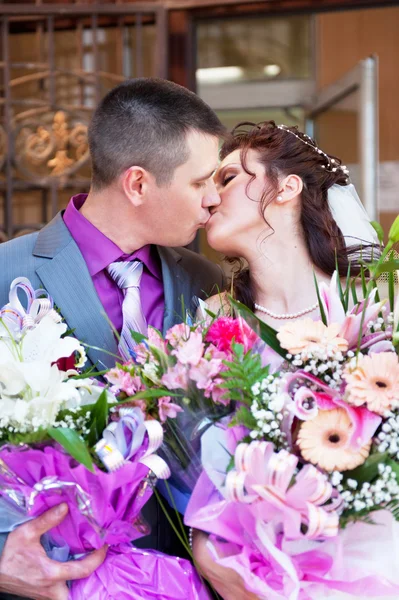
{"x": 290, "y": 188}
{"x": 135, "y": 182}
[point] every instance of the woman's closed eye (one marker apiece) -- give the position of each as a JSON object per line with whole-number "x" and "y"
{"x": 227, "y": 180}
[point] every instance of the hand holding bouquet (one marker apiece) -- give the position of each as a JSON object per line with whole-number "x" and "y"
{"x": 307, "y": 507}
{"x": 59, "y": 432}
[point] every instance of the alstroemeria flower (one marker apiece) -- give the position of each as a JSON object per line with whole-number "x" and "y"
{"x": 155, "y": 339}
{"x": 167, "y": 409}
{"x": 205, "y": 371}
{"x": 190, "y": 350}
{"x": 176, "y": 377}
{"x": 124, "y": 381}
{"x": 178, "y": 334}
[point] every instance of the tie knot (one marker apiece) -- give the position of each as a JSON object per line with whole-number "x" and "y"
{"x": 126, "y": 274}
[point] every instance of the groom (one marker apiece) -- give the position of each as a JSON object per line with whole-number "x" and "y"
{"x": 154, "y": 148}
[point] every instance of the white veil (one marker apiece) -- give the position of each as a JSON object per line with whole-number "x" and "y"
{"x": 351, "y": 216}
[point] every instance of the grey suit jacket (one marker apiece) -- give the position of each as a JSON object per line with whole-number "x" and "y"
{"x": 50, "y": 259}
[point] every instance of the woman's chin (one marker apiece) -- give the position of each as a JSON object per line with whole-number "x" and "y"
{"x": 221, "y": 245}
{"x": 215, "y": 239}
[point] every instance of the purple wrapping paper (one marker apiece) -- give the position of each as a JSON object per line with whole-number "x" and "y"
{"x": 155, "y": 576}
{"x": 104, "y": 508}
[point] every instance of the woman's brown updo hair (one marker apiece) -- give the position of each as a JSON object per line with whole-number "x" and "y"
{"x": 282, "y": 153}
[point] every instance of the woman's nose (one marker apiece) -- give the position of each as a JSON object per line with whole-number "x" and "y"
{"x": 211, "y": 197}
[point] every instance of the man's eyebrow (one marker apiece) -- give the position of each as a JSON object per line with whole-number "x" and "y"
{"x": 207, "y": 176}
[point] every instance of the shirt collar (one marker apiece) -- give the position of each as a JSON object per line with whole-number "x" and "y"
{"x": 97, "y": 249}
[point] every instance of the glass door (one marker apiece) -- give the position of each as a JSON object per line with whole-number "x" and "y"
{"x": 343, "y": 117}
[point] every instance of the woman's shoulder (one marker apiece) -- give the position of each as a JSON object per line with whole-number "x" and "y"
{"x": 218, "y": 304}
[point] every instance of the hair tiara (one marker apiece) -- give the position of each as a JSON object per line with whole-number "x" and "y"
{"x": 331, "y": 165}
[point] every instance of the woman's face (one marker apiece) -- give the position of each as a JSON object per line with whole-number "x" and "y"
{"x": 237, "y": 222}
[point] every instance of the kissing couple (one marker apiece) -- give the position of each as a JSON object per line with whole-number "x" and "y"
{"x": 270, "y": 199}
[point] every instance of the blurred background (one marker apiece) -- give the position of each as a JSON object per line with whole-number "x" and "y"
{"x": 328, "y": 66}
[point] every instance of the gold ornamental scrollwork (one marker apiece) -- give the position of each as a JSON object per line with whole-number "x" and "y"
{"x": 55, "y": 147}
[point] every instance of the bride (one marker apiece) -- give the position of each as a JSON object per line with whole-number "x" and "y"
{"x": 288, "y": 210}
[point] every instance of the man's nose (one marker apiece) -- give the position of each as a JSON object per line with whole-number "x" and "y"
{"x": 211, "y": 196}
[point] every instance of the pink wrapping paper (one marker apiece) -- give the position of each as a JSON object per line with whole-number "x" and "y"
{"x": 104, "y": 508}
{"x": 275, "y": 568}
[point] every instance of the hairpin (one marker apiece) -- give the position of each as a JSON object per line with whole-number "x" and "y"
{"x": 331, "y": 165}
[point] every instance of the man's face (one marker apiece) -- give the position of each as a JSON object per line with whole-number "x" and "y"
{"x": 181, "y": 207}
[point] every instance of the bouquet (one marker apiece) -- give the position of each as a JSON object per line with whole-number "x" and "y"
{"x": 305, "y": 504}
{"x": 183, "y": 375}
{"x": 65, "y": 438}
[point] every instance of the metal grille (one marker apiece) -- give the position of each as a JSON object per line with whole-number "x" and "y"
{"x": 57, "y": 61}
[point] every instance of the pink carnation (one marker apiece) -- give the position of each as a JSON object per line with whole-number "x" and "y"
{"x": 167, "y": 409}
{"x": 226, "y": 329}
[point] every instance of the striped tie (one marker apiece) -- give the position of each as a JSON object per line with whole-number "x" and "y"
{"x": 127, "y": 276}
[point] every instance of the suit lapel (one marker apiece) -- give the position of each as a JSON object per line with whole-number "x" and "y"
{"x": 177, "y": 288}
{"x": 68, "y": 281}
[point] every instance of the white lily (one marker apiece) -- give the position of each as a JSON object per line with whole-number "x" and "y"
{"x": 32, "y": 388}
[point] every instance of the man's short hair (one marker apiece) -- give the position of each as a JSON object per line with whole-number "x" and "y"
{"x": 145, "y": 122}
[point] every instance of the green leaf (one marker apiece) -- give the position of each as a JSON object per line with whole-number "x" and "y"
{"x": 340, "y": 290}
{"x": 377, "y": 294}
{"x": 71, "y": 441}
{"x": 321, "y": 305}
{"x": 244, "y": 417}
{"x": 354, "y": 294}
{"x": 369, "y": 469}
{"x": 394, "y": 466}
{"x": 137, "y": 337}
{"x": 153, "y": 393}
{"x": 379, "y": 230}
{"x": 34, "y": 437}
{"x": 393, "y": 234}
{"x": 98, "y": 419}
{"x": 267, "y": 333}
{"x": 387, "y": 266}
{"x": 347, "y": 288}
{"x": 363, "y": 279}
{"x": 391, "y": 290}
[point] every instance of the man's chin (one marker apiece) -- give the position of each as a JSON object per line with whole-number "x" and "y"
{"x": 179, "y": 241}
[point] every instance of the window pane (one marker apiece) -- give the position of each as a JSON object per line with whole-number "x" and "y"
{"x": 292, "y": 116}
{"x": 254, "y": 49}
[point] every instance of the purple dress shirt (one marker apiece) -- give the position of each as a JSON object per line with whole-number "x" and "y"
{"x": 99, "y": 251}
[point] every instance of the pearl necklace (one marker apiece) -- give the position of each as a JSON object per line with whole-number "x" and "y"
{"x": 286, "y": 315}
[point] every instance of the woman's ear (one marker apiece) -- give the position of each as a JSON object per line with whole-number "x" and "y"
{"x": 135, "y": 182}
{"x": 289, "y": 188}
